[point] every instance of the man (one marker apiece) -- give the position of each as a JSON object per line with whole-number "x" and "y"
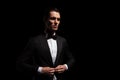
{"x": 47, "y": 56}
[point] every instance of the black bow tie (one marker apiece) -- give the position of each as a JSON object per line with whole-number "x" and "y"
{"x": 52, "y": 36}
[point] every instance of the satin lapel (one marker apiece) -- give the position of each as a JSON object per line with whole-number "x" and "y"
{"x": 46, "y": 49}
{"x": 59, "y": 47}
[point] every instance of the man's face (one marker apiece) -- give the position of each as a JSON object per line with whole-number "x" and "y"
{"x": 54, "y": 20}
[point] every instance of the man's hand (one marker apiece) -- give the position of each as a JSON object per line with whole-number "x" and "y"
{"x": 60, "y": 68}
{"x": 48, "y": 70}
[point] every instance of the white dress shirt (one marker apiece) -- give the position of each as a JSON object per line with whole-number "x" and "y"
{"x": 53, "y": 48}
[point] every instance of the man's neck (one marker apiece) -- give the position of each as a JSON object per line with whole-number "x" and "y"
{"x": 50, "y": 32}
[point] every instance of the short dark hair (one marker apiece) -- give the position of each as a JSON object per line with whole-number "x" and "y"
{"x": 47, "y": 12}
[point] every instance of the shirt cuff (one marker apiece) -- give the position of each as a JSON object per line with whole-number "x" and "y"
{"x": 39, "y": 69}
{"x": 66, "y": 66}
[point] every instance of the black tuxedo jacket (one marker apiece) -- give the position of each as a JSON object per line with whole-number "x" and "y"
{"x": 37, "y": 54}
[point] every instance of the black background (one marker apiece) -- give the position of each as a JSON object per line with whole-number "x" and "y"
{"x": 84, "y": 24}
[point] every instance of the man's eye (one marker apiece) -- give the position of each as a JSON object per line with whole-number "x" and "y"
{"x": 53, "y": 18}
{"x": 58, "y": 19}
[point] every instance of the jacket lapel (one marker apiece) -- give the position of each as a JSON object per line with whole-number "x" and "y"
{"x": 46, "y": 52}
{"x": 59, "y": 47}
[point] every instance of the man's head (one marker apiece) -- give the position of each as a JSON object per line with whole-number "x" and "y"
{"x": 52, "y": 19}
